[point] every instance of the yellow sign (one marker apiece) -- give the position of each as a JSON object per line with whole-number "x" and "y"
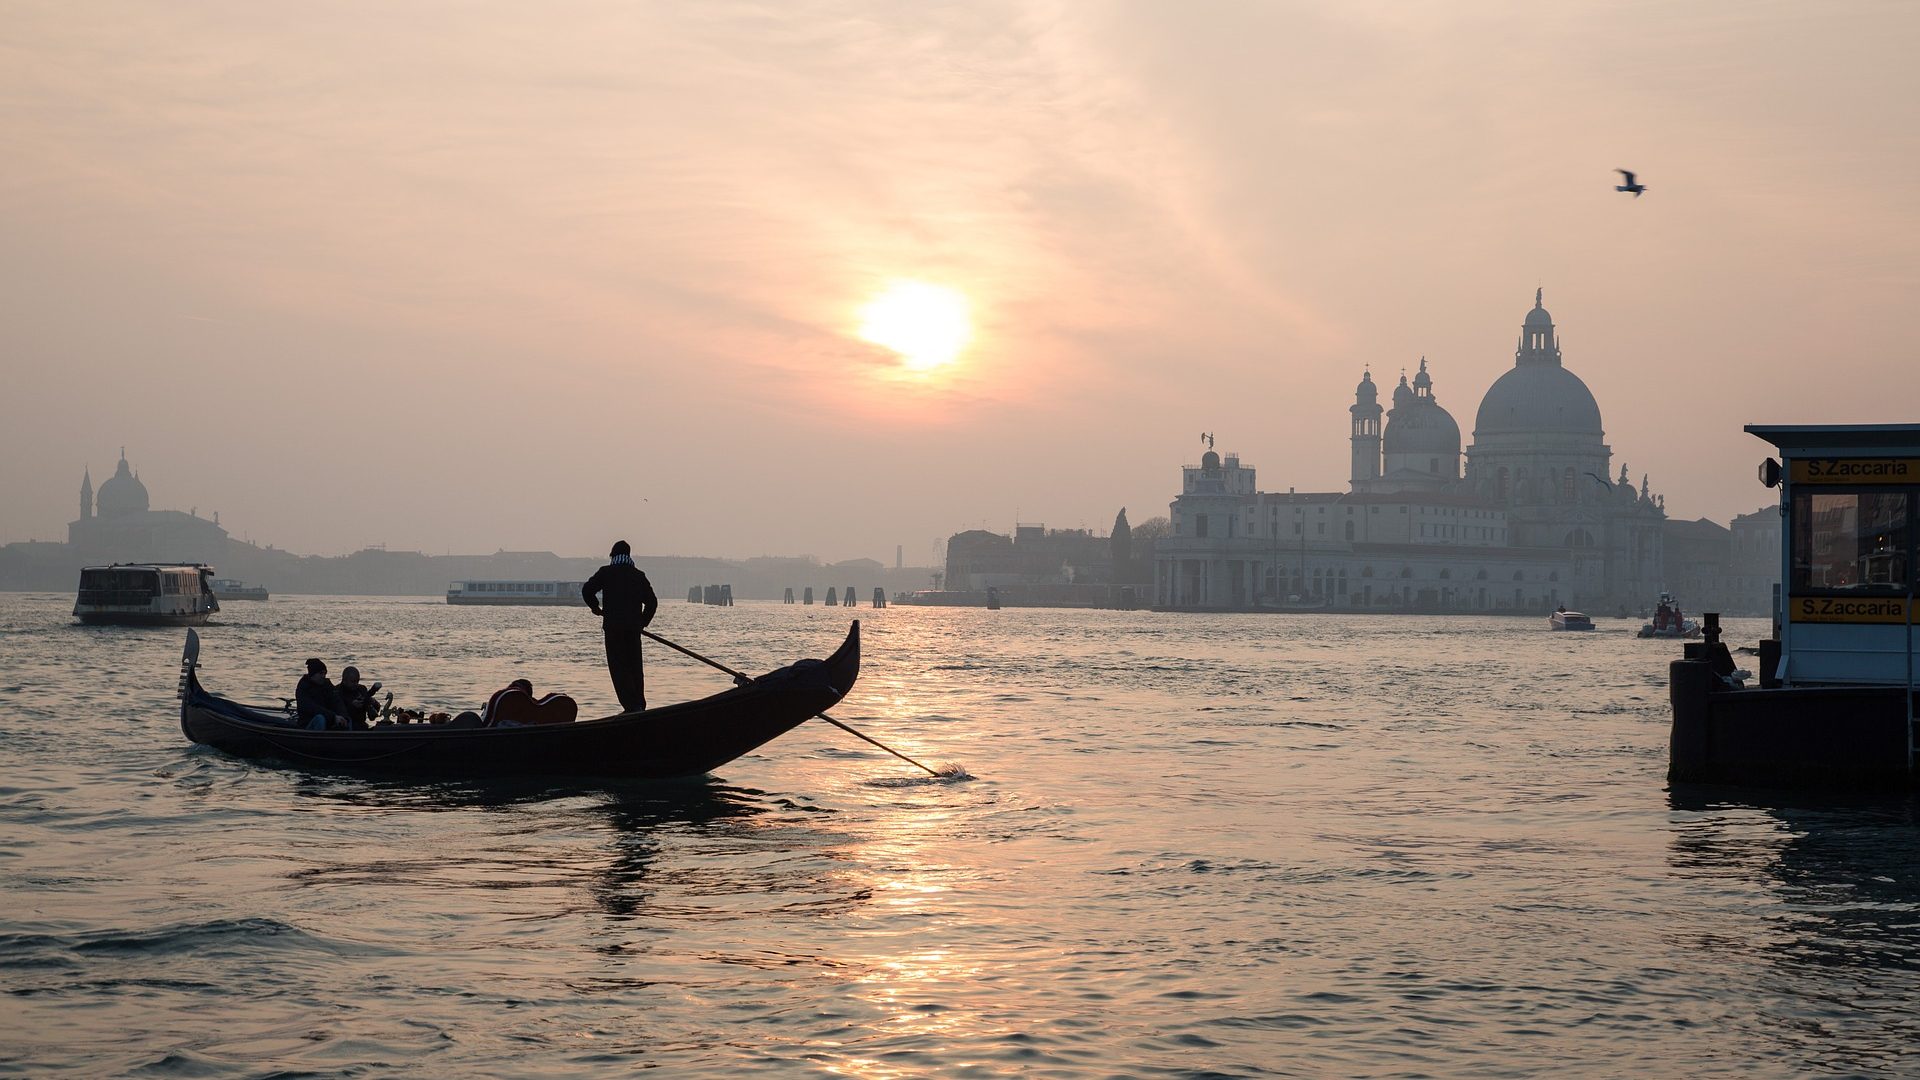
{"x": 1849, "y": 609}
{"x": 1856, "y": 470}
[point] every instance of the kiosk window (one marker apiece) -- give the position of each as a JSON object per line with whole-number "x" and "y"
{"x": 1854, "y": 542}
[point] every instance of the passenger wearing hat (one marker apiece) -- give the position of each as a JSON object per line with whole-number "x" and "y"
{"x": 316, "y": 702}
{"x": 623, "y": 598}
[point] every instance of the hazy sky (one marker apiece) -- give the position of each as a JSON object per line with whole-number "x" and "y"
{"x": 489, "y": 274}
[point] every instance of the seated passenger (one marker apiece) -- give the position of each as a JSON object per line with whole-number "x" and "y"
{"x": 518, "y": 696}
{"x": 356, "y": 699}
{"x": 515, "y": 706}
{"x": 316, "y": 702}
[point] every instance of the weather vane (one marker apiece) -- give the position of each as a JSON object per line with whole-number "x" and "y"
{"x": 1207, "y": 437}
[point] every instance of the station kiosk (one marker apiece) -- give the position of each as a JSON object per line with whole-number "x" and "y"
{"x": 1836, "y": 697}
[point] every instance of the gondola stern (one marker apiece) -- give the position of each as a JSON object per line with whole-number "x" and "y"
{"x": 189, "y": 680}
{"x": 843, "y": 667}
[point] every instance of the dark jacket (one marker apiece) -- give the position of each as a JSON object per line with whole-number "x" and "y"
{"x": 316, "y": 695}
{"x": 626, "y": 596}
{"x": 357, "y": 703}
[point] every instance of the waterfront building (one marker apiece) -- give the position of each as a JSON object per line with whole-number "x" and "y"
{"x": 1033, "y": 555}
{"x": 1040, "y": 567}
{"x": 1526, "y": 519}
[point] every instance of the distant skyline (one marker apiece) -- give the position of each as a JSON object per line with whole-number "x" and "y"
{"x": 476, "y": 276}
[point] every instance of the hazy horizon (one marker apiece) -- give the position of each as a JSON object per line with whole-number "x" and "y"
{"x": 467, "y": 277}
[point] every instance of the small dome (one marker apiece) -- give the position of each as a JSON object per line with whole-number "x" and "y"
{"x": 1366, "y": 391}
{"x": 1421, "y": 428}
{"x": 122, "y": 493}
{"x": 1210, "y": 460}
{"x": 1538, "y": 318}
{"x": 1422, "y": 380}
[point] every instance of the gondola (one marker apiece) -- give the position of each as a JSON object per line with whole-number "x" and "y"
{"x": 688, "y": 739}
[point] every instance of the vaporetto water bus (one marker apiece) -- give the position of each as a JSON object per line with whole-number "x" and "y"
{"x": 235, "y": 589}
{"x": 1835, "y": 704}
{"x": 515, "y": 592}
{"x": 146, "y": 594}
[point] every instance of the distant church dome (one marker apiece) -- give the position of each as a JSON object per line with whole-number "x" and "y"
{"x": 123, "y": 493}
{"x": 1538, "y": 396}
{"x": 1366, "y": 393}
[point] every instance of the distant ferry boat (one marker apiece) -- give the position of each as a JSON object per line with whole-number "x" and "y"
{"x": 514, "y": 592}
{"x": 227, "y": 588}
{"x": 146, "y": 594}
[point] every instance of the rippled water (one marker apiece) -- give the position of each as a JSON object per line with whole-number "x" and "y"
{"x": 1231, "y": 845}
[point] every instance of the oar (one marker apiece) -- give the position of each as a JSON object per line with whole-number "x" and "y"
{"x": 743, "y": 678}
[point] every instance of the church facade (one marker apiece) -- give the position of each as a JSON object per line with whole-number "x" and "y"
{"x": 1529, "y": 516}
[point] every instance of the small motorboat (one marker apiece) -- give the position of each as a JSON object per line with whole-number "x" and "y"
{"x": 1562, "y": 619}
{"x": 687, "y": 739}
{"x": 1669, "y": 622}
{"x": 1296, "y": 602}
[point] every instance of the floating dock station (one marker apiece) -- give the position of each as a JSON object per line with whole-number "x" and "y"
{"x": 1835, "y": 704}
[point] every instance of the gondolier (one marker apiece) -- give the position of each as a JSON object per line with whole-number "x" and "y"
{"x": 623, "y": 598}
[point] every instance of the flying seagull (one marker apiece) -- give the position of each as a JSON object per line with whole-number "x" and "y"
{"x": 1631, "y": 185}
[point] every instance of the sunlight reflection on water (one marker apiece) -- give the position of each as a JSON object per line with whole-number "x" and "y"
{"x": 1181, "y": 845}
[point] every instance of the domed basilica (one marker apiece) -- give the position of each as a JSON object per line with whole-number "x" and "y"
{"x": 1533, "y": 519}
{"x": 118, "y": 524}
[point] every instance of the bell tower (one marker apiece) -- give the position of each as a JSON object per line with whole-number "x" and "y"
{"x": 86, "y": 495}
{"x": 1366, "y": 431}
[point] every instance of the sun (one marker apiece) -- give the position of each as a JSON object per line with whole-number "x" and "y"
{"x": 928, "y": 325}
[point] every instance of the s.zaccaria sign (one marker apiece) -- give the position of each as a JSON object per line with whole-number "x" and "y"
{"x": 1848, "y": 609}
{"x": 1856, "y": 470}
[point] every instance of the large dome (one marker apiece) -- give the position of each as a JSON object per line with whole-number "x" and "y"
{"x": 123, "y": 493}
{"x": 1539, "y": 396}
{"x": 1538, "y": 399}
